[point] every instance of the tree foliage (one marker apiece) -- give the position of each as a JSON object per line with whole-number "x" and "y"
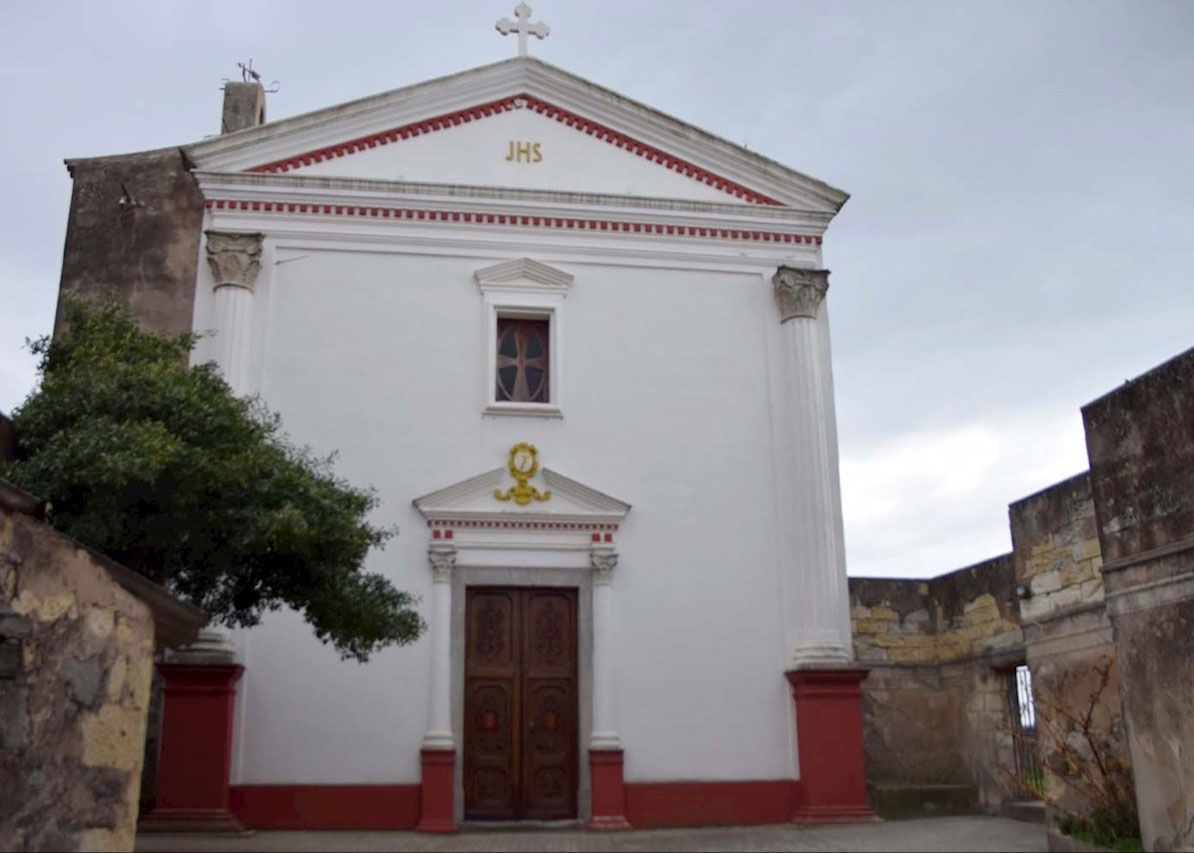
{"x": 161, "y": 467}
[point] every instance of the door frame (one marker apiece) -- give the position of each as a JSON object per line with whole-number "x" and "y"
{"x": 494, "y": 576}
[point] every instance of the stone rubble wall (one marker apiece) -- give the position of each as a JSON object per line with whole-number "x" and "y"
{"x": 73, "y": 696}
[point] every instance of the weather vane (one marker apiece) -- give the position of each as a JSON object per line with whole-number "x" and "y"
{"x": 249, "y": 75}
{"x": 523, "y": 26}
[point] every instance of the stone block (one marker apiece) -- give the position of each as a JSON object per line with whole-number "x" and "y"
{"x": 1045, "y": 583}
{"x": 14, "y": 626}
{"x": 114, "y": 736}
{"x": 83, "y": 680}
{"x": 10, "y": 658}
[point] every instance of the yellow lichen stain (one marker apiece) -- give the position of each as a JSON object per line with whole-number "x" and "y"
{"x": 47, "y": 609}
{"x": 116, "y": 679}
{"x": 114, "y": 737}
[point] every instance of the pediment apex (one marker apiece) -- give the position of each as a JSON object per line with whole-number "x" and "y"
{"x": 473, "y": 500}
{"x": 523, "y": 270}
{"x": 458, "y": 99}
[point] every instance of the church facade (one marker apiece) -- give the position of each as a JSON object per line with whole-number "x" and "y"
{"x": 581, "y": 349}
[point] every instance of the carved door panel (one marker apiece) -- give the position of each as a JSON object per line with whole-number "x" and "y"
{"x": 491, "y": 704}
{"x": 549, "y": 704}
{"x": 520, "y": 704}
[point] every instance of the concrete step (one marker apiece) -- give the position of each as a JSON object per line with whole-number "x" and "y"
{"x": 1029, "y": 811}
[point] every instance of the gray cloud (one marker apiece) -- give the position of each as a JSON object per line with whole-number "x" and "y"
{"x": 1020, "y": 237}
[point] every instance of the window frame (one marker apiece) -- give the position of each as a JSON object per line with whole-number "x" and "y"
{"x": 523, "y": 308}
{"x": 524, "y": 288}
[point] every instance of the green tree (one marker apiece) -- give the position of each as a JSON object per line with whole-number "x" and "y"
{"x": 159, "y": 466}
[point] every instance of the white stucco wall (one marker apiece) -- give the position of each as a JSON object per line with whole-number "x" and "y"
{"x": 380, "y": 354}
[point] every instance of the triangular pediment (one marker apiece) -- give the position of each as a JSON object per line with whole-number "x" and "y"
{"x": 474, "y": 499}
{"x": 519, "y": 124}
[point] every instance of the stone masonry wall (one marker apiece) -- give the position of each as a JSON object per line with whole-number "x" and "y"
{"x": 1140, "y": 441}
{"x": 935, "y": 702}
{"x": 133, "y": 235}
{"x": 968, "y": 612}
{"x": 73, "y": 699}
{"x": 1055, "y": 540}
{"x": 1067, "y": 635}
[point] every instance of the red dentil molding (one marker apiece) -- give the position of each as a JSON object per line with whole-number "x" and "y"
{"x": 519, "y": 525}
{"x": 520, "y": 220}
{"x": 571, "y": 119}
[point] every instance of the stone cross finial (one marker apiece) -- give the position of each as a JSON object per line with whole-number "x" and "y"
{"x": 799, "y": 291}
{"x": 523, "y": 26}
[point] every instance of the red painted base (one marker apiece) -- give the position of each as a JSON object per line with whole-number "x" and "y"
{"x": 829, "y": 741}
{"x": 327, "y": 807}
{"x": 195, "y": 758}
{"x": 436, "y": 814}
{"x": 649, "y": 805}
{"x": 190, "y": 820}
{"x": 656, "y": 805}
{"x": 609, "y": 791}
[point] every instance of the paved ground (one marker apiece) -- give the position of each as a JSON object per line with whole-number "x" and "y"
{"x": 944, "y": 833}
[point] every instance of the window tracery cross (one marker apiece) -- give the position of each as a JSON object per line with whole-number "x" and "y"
{"x": 522, "y": 361}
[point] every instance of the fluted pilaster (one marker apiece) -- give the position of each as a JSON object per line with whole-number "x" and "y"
{"x": 605, "y": 727}
{"x": 818, "y": 610}
{"x": 235, "y": 260}
{"x": 439, "y": 705}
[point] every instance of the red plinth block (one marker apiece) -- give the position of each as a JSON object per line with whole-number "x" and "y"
{"x": 435, "y": 808}
{"x": 609, "y": 791}
{"x": 829, "y": 742}
{"x": 195, "y": 757}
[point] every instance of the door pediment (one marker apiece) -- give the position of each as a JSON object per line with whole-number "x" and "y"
{"x": 571, "y": 504}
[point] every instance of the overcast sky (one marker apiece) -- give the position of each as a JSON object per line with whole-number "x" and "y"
{"x": 1020, "y": 237}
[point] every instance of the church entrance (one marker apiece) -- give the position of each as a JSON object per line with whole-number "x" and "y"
{"x": 520, "y": 704}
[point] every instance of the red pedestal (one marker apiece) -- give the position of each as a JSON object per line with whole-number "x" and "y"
{"x": 829, "y": 741}
{"x": 195, "y": 757}
{"x": 609, "y": 791}
{"x": 439, "y": 767}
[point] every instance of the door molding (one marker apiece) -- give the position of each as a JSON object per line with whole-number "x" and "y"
{"x": 465, "y": 576}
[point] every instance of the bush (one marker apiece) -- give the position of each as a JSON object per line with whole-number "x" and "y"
{"x": 159, "y": 466}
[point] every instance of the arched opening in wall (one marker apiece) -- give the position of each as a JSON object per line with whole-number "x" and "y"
{"x": 1021, "y": 711}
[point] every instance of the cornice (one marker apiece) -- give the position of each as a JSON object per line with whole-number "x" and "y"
{"x": 545, "y": 220}
{"x": 359, "y": 190}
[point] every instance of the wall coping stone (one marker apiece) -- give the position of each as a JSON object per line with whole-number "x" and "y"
{"x": 1167, "y": 550}
{"x": 175, "y": 621}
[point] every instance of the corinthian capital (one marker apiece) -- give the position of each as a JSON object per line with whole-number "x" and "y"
{"x": 603, "y": 560}
{"x": 443, "y": 560}
{"x": 234, "y": 258}
{"x": 799, "y": 292}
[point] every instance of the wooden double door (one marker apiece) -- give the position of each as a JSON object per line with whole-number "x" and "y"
{"x": 520, "y": 704}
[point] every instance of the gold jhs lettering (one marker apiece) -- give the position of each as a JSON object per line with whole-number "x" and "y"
{"x": 524, "y": 152}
